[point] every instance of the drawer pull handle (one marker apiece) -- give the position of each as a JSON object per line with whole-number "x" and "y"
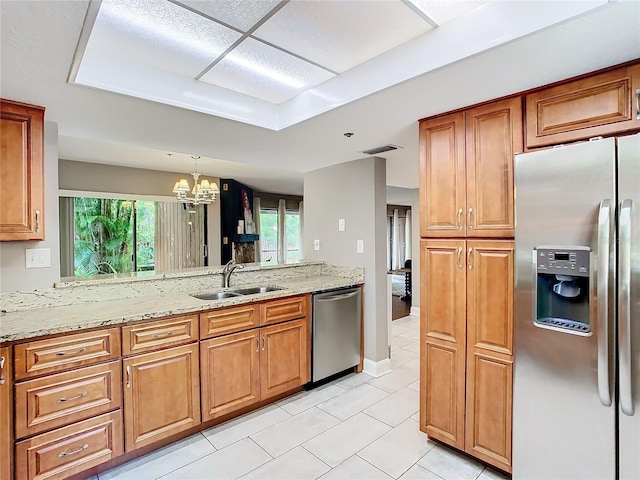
{"x": 73, "y": 452}
{"x": 37, "y": 221}
{"x": 469, "y": 224}
{"x": 128, "y": 376}
{"x": 257, "y": 343}
{"x": 459, "y": 219}
{"x": 158, "y": 335}
{"x": 469, "y": 264}
{"x": 460, "y": 257}
{"x": 1, "y": 370}
{"x": 62, "y": 400}
{"x": 638, "y": 104}
{"x": 63, "y": 354}
{"x": 264, "y": 343}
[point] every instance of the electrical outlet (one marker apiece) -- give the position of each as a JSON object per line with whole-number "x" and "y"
{"x": 38, "y": 257}
{"x": 341, "y": 225}
{"x": 316, "y": 244}
{"x": 360, "y": 246}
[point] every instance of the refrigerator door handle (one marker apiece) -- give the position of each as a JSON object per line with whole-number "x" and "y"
{"x": 624, "y": 307}
{"x": 602, "y": 282}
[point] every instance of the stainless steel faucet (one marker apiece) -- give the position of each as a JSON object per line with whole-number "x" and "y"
{"x": 230, "y": 266}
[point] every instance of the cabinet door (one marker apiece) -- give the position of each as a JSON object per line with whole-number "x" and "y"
{"x": 494, "y": 135}
{"x": 284, "y": 357}
{"x": 602, "y": 104}
{"x": 442, "y": 338}
{"x": 230, "y": 367}
{"x": 21, "y": 171}
{"x": 161, "y": 395}
{"x": 490, "y": 283}
{"x": 6, "y": 415}
{"x": 442, "y": 177}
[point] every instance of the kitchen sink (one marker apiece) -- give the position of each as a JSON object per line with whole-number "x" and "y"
{"x": 236, "y": 292}
{"x": 254, "y": 290}
{"x": 216, "y": 295}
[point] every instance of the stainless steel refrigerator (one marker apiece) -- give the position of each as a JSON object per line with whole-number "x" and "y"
{"x": 576, "y": 412}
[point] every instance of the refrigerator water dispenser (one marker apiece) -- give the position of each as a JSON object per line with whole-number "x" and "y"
{"x": 562, "y": 289}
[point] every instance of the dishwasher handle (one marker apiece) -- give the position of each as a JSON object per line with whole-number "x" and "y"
{"x": 332, "y": 298}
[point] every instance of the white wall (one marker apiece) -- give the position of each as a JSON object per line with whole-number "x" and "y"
{"x": 14, "y": 275}
{"x": 415, "y": 248}
{"x": 356, "y": 192}
{"x": 95, "y": 177}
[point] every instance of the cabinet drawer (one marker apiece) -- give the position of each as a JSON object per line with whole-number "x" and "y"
{"x": 228, "y": 320}
{"x": 65, "y": 352}
{"x": 159, "y": 334}
{"x": 277, "y": 311}
{"x": 602, "y": 104}
{"x": 55, "y": 400}
{"x": 70, "y": 450}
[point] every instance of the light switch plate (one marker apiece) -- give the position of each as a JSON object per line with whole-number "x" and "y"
{"x": 316, "y": 244}
{"x": 38, "y": 257}
{"x": 341, "y": 225}
{"x": 360, "y": 246}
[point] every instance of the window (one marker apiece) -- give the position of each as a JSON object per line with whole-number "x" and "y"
{"x": 107, "y": 236}
{"x": 280, "y": 228}
{"x": 112, "y": 236}
{"x": 292, "y": 235}
{"x": 268, "y": 235}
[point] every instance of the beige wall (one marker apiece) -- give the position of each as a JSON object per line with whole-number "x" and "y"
{"x": 14, "y": 275}
{"x": 355, "y": 191}
{"x": 95, "y": 177}
{"x": 415, "y": 248}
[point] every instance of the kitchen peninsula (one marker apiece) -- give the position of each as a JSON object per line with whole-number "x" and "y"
{"x": 105, "y": 370}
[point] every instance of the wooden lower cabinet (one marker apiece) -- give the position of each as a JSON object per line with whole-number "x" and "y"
{"x": 241, "y": 369}
{"x": 161, "y": 395}
{"x": 284, "y": 357}
{"x": 70, "y": 450}
{"x": 230, "y": 367}
{"x": 6, "y": 414}
{"x": 467, "y": 346}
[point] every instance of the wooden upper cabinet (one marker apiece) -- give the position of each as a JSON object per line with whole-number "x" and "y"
{"x": 6, "y": 414}
{"x": 442, "y": 176}
{"x": 466, "y": 171}
{"x": 21, "y": 171}
{"x": 493, "y": 136}
{"x": 602, "y": 104}
{"x": 161, "y": 394}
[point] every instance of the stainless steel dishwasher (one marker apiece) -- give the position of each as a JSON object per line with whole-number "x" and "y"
{"x": 336, "y": 332}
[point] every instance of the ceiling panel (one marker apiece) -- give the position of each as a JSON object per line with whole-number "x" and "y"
{"x": 261, "y": 71}
{"x": 341, "y": 34}
{"x": 157, "y": 34}
{"x": 444, "y": 11}
{"x": 240, "y": 14}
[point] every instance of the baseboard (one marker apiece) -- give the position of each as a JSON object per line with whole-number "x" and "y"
{"x": 377, "y": 369}
{"x": 415, "y": 311}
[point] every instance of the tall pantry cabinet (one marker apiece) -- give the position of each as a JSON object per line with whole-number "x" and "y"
{"x": 466, "y": 261}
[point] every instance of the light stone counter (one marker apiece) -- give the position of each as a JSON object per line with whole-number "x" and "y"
{"x": 95, "y": 304}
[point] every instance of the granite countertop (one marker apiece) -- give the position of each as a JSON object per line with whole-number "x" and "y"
{"x": 20, "y": 325}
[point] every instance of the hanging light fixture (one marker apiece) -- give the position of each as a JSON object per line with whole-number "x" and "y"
{"x": 202, "y": 193}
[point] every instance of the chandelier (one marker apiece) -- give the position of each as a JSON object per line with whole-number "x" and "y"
{"x": 202, "y": 193}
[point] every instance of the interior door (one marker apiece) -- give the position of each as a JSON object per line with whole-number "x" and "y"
{"x": 629, "y": 305}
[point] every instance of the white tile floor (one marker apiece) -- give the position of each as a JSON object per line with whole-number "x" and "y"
{"x": 357, "y": 427}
